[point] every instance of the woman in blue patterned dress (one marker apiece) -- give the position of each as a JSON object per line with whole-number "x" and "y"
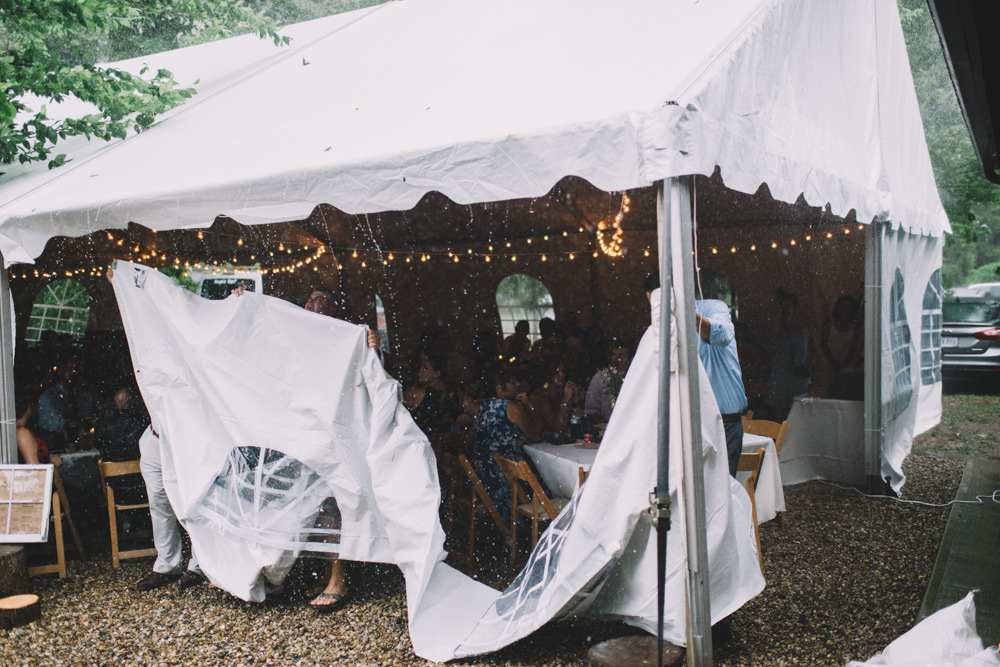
{"x": 504, "y": 425}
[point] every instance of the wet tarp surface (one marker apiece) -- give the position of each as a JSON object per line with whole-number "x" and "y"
{"x": 264, "y": 410}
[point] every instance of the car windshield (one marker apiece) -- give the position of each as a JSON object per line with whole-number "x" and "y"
{"x": 971, "y": 312}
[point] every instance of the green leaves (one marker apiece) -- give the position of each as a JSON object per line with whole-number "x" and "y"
{"x": 50, "y": 47}
{"x": 971, "y": 202}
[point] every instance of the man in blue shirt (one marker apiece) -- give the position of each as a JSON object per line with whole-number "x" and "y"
{"x": 717, "y": 350}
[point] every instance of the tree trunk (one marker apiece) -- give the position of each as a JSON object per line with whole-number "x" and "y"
{"x": 18, "y": 610}
{"x": 13, "y": 571}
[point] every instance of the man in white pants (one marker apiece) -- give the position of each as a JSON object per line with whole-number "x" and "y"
{"x": 166, "y": 529}
{"x": 167, "y": 539}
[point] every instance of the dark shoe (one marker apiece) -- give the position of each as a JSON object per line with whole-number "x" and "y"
{"x": 156, "y": 580}
{"x": 189, "y": 579}
{"x": 328, "y": 603}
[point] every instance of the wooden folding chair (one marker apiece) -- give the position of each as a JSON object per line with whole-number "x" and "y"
{"x": 538, "y": 507}
{"x": 60, "y": 513}
{"x": 583, "y": 474}
{"x": 111, "y": 469}
{"x": 751, "y": 463}
{"x": 462, "y": 488}
{"x": 769, "y": 429}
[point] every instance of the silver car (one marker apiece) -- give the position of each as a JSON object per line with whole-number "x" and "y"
{"x": 970, "y": 336}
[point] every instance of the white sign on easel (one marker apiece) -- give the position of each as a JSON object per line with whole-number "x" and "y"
{"x": 25, "y": 502}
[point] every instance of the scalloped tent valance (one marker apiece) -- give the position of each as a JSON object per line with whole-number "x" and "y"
{"x": 373, "y": 109}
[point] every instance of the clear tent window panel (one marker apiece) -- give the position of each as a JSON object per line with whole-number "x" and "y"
{"x": 522, "y": 297}
{"x": 62, "y": 306}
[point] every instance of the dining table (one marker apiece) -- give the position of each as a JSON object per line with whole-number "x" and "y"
{"x": 769, "y": 494}
{"x": 558, "y": 466}
{"x": 825, "y": 440}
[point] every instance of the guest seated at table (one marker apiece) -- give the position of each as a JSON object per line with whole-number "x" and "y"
{"x": 607, "y": 382}
{"x": 63, "y": 408}
{"x": 116, "y": 436}
{"x": 517, "y": 345}
{"x": 552, "y": 399}
{"x": 547, "y": 338}
{"x": 504, "y": 426}
{"x": 481, "y": 373}
{"x": 31, "y": 449}
{"x": 435, "y": 405}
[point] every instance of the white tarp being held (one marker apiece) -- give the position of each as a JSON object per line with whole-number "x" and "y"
{"x": 264, "y": 410}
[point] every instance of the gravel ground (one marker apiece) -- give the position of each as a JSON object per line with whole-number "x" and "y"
{"x": 845, "y": 577}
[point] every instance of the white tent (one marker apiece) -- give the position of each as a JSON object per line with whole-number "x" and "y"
{"x": 371, "y": 110}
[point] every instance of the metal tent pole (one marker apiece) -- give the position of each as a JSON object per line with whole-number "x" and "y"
{"x": 660, "y": 510}
{"x": 874, "y": 426}
{"x": 8, "y": 427}
{"x": 677, "y": 212}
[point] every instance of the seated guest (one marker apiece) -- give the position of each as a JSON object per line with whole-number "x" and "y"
{"x": 63, "y": 407}
{"x": 607, "y": 382}
{"x": 547, "y": 337}
{"x": 116, "y": 436}
{"x": 433, "y": 403}
{"x": 552, "y": 401}
{"x": 31, "y": 449}
{"x": 504, "y": 426}
{"x": 483, "y": 362}
{"x": 517, "y": 345}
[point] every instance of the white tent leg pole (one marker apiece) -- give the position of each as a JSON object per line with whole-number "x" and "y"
{"x": 874, "y": 433}
{"x": 677, "y": 219}
{"x": 8, "y": 428}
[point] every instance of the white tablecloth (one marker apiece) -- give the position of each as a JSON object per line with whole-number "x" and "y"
{"x": 559, "y": 465}
{"x": 559, "y": 468}
{"x": 825, "y": 440}
{"x": 770, "y": 496}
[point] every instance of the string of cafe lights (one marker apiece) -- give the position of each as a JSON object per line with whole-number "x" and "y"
{"x": 369, "y": 258}
{"x": 824, "y": 235}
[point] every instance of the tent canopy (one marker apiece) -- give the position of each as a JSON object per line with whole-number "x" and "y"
{"x": 372, "y": 110}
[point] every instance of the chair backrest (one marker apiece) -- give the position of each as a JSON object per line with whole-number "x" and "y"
{"x": 771, "y": 429}
{"x": 480, "y": 493}
{"x": 751, "y": 462}
{"x": 118, "y": 468}
{"x": 110, "y": 469}
{"x": 519, "y": 471}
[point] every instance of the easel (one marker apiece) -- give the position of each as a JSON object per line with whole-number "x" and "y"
{"x": 60, "y": 509}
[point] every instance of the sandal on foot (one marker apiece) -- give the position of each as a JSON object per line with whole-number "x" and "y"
{"x": 331, "y": 602}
